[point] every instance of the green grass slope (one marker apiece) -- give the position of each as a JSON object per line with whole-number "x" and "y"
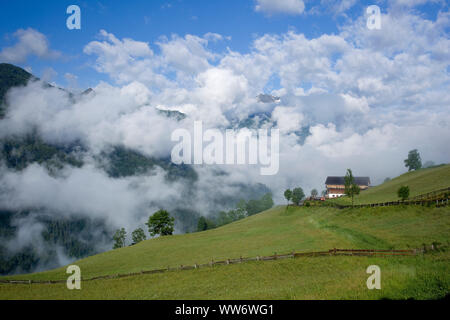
{"x": 341, "y": 277}
{"x": 419, "y": 182}
{"x": 276, "y": 230}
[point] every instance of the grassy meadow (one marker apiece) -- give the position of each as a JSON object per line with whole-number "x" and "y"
{"x": 419, "y": 182}
{"x": 280, "y": 230}
{"x": 421, "y": 277}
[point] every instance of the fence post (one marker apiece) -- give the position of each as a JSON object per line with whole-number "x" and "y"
{"x": 275, "y": 256}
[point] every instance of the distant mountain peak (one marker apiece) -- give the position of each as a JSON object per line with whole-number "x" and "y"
{"x": 267, "y": 98}
{"x": 14, "y": 76}
{"x": 88, "y": 91}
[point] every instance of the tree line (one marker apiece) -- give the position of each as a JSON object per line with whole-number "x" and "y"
{"x": 243, "y": 209}
{"x": 159, "y": 223}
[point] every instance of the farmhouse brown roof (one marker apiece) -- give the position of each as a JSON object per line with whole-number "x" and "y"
{"x": 361, "y": 181}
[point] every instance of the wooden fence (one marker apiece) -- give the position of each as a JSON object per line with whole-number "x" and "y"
{"x": 437, "y": 203}
{"x": 439, "y": 198}
{"x": 433, "y": 195}
{"x": 275, "y": 256}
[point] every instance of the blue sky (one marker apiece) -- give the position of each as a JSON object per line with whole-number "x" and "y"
{"x": 149, "y": 20}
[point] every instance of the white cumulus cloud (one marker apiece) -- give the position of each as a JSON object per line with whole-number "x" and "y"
{"x": 293, "y": 7}
{"x": 30, "y": 42}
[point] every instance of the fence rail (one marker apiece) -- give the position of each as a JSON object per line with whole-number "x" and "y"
{"x": 441, "y": 193}
{"x": 439, "y": 198}
{"x": 331, "y": 252}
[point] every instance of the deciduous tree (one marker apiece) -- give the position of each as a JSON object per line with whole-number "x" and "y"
{"x": 138, "y": 235}
{"x": 119, "y": 238}
{"x": 160, "y": 223}
{"x": 288, "y": 195}
{"x": 351, "y": 188}
{"x": 413, "y": 162}
{"x": 297, "y": 195}
{"x": 403, "y": 192}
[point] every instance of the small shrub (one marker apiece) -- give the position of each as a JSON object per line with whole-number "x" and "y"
{"x": 403, "y": 192}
